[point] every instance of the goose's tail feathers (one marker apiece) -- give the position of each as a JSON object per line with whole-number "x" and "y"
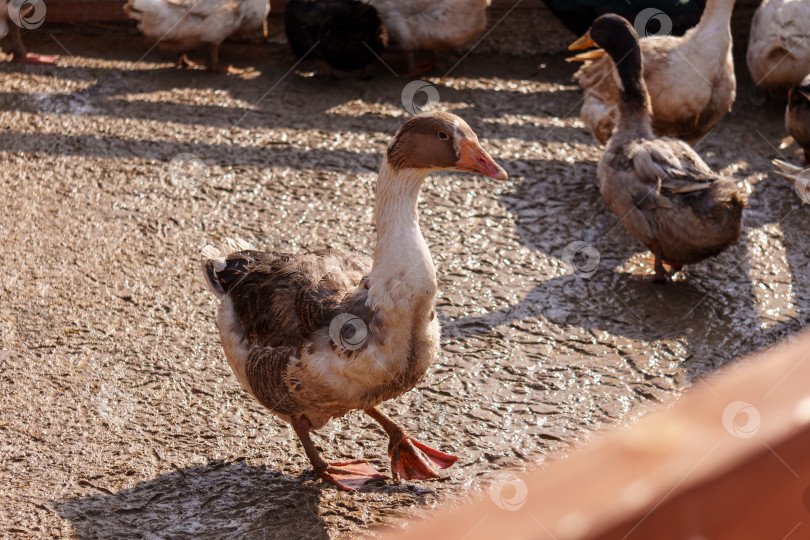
{"x": 213, "y": 262}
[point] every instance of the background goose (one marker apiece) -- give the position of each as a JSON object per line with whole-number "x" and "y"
{"x": 183, "y": 25}
{"x": 661, "y": 190}
{"x": 347, "y": 34}
{"x": 690, "y": 79}
{"x": 12, "y": 29}
{"x": 314, "y": 336}
{"x": 800, "y": 178}
{"x": 432, "y": 25}
{"x": 778, "y": 48}
{"x": 797, "y": 116}
{"x": 577, "y": 15}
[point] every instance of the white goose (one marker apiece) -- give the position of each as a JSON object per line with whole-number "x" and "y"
{"x": 778, "y": 45}
{"x": 315, "y": 335}
{"x": 690, "y": 79}
{"x": 183, "y": 25}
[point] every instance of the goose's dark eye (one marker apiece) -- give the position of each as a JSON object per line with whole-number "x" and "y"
{"x": 442, "y": 135}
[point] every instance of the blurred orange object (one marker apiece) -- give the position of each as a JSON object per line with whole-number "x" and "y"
{"x": 728, "y": 460}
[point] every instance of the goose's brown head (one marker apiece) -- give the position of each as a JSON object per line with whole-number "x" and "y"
{"x": 439, "y": 141}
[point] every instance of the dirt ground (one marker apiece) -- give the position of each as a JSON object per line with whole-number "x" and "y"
{"x": 120, "y": 417}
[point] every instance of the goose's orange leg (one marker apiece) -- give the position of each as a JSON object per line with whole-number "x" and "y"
{"x": 18, "y": 52}
{"x": 213, "y": 62}
{"x": 345, "y": 475}
{"x": 410, "y": 459}
{"x": 661, "y": 274}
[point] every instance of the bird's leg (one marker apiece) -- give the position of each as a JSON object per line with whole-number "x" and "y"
{"x": 214, "y": 65}
{"x": 183, "y": 61}
{"x": 427, "y": 65}
{"x": 346, "y": 475}
{"x": 416, "y": 69}
{"x": 213, "y": 57}
{"x": 661, "y": 275}
{"x": 410, "y": 458}
{"x": 411, "y": 57}
{"x": 18, "y": 52}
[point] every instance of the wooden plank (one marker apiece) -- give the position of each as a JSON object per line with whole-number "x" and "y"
{"x": 729, "y": 460}
{"x": 82, "y": 11}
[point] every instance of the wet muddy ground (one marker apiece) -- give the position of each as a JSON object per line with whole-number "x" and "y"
{"x": 119, "y": 416}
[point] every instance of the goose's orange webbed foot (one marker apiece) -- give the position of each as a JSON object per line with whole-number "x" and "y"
{"x": 413, "y": 460}
{"x": 36, "y": 59}
{"x": 350, "y": 475}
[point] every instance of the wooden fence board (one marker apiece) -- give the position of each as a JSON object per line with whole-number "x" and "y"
{"x": 729, "y": 460}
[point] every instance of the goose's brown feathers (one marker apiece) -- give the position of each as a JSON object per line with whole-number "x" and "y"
{"x": 671, "y": 200}
{"x": 280, "y": 299}
{"x": 268, "y": 372}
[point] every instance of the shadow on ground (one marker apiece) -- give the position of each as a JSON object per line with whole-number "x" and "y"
{"x": 215, "y": 500}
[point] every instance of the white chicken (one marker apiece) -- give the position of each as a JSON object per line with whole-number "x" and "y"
{"x": 432, "y": 25}
{"x": 182, "y": 25}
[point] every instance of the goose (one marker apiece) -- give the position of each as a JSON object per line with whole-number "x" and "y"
{"x": 690, "y": 79}
{"x": 312, "y": 336}
{"x": 577, "y": 15}
{"x": 11, "y": 27}
{"x": 778, "y": 48}
{"x": 347, "y": 34}
{"x": 797, "y": 116}
{"x": 659, "y": 187}
{"x": 183, "y": 25}
{"x": 432, "y": 25}
{"x": 798, "y": 176}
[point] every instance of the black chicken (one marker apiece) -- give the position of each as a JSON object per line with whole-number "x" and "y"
{"x": 347, "y": 34}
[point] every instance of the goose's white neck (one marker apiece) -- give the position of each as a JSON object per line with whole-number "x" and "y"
{"x": 403, "y": 268}
{"x": 715, "y": 23}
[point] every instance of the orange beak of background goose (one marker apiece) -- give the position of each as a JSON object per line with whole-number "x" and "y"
{"x": 585, "y": 42}
{"x": 475, "y": 160}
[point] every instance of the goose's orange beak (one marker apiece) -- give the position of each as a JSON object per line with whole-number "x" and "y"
{"x": 585, "y": 42}
{"x": 473, "y": 159}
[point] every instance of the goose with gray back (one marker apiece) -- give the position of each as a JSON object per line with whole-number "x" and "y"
{"x": 315, "y": 335}
{"x": 659, "y": 187}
